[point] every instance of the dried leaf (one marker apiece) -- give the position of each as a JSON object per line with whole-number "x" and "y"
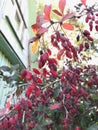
{"x": 68, "y": 26}
{"x": 62, "y": 4}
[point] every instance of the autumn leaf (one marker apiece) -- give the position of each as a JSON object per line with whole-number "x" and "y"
{"x": 42, "y": 31}
{"x": 67, "y": 16}
{"x": 35, "y": 28}
{"x": 68, "y": 26}
{"x": 62, "y": 4}
{"x": 47, "y": 11}
{"x": 57, "y": 12}
{"x": 83, "y": 2}
{"x": 35, "y": 46}
{"x": 54, "y": 106}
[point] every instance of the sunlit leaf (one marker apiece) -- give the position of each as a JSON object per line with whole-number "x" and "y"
{"x": 42, "y": 31}
{"x": 67, "y": 16}
{"x": 35, "y": 28}
{"x": 83, "y": 2}
{"x": 40, "y": 20}
{"x": 47, "y": 11}
{"x": 68, "y": 26}
{"x": 57, "y": 12}
{"x": 62, "y": 4}
{"x": 35, "y": 46}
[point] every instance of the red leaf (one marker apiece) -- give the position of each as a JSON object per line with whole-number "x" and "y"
{"x": 47, "y": 10}
{"x": 54, "y": 106}
{"x": 68, "y": 26}
{"x": 62, "y": 4}
{"x": 42, "y": 31}
{"x": 39, "y": 20}
{"x": 83, "y": 2}
{"x": 67, "y": 16}
{"x": 57, "y": 12}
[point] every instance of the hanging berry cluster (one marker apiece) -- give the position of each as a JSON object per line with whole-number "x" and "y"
{"x": 60, "y": 96}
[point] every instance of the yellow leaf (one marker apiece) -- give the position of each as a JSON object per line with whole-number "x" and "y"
{"x": 35, "y": 46}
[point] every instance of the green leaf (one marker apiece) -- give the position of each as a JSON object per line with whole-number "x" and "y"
{"x": 93, "y": 127}
{"x": 5, "y": 68}
{"x": 14, "y": 68}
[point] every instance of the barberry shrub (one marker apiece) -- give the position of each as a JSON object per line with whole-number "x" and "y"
{"x": 62, "y": 93}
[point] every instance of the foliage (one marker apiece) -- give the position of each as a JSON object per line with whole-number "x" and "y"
{"x": 62, "y": 93}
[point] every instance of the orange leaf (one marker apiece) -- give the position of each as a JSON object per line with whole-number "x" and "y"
{"x": 35, "y": 46}
{"x": 54, "y": 106}
{"x": 83, "y": 2}
{"x": 35, "y": 28}
{"x": 68, "y": 26}
{"x": 62, "y": 4}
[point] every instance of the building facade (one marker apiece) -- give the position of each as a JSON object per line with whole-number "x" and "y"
{"x": 15, "y": 30}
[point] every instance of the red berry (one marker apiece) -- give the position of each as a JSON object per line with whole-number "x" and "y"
{"x": 36, "y": 71}
{"x": 89, "y": 38}
{"x": 93, "y": 17}
{"x": 91, "y": 25}
{"x": 80, "y": 48}
{"x": 77, "y": 128}
{"x": 23, "y": 74}
{"x": 54, "y": 73}
{"x": 96, "y": 14}
{"x": 29, "y": 90}
{"x": 88, "y": 17}
{"x": 96, "y": 27}
{"x": 49, "y": 51}
{"x": 68, "y": 54}
{"x": 96, "y": 21}
{"x": 86, "y": 32}
{"x": 29, "y": 75}
{"x": 86, "y": 45}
